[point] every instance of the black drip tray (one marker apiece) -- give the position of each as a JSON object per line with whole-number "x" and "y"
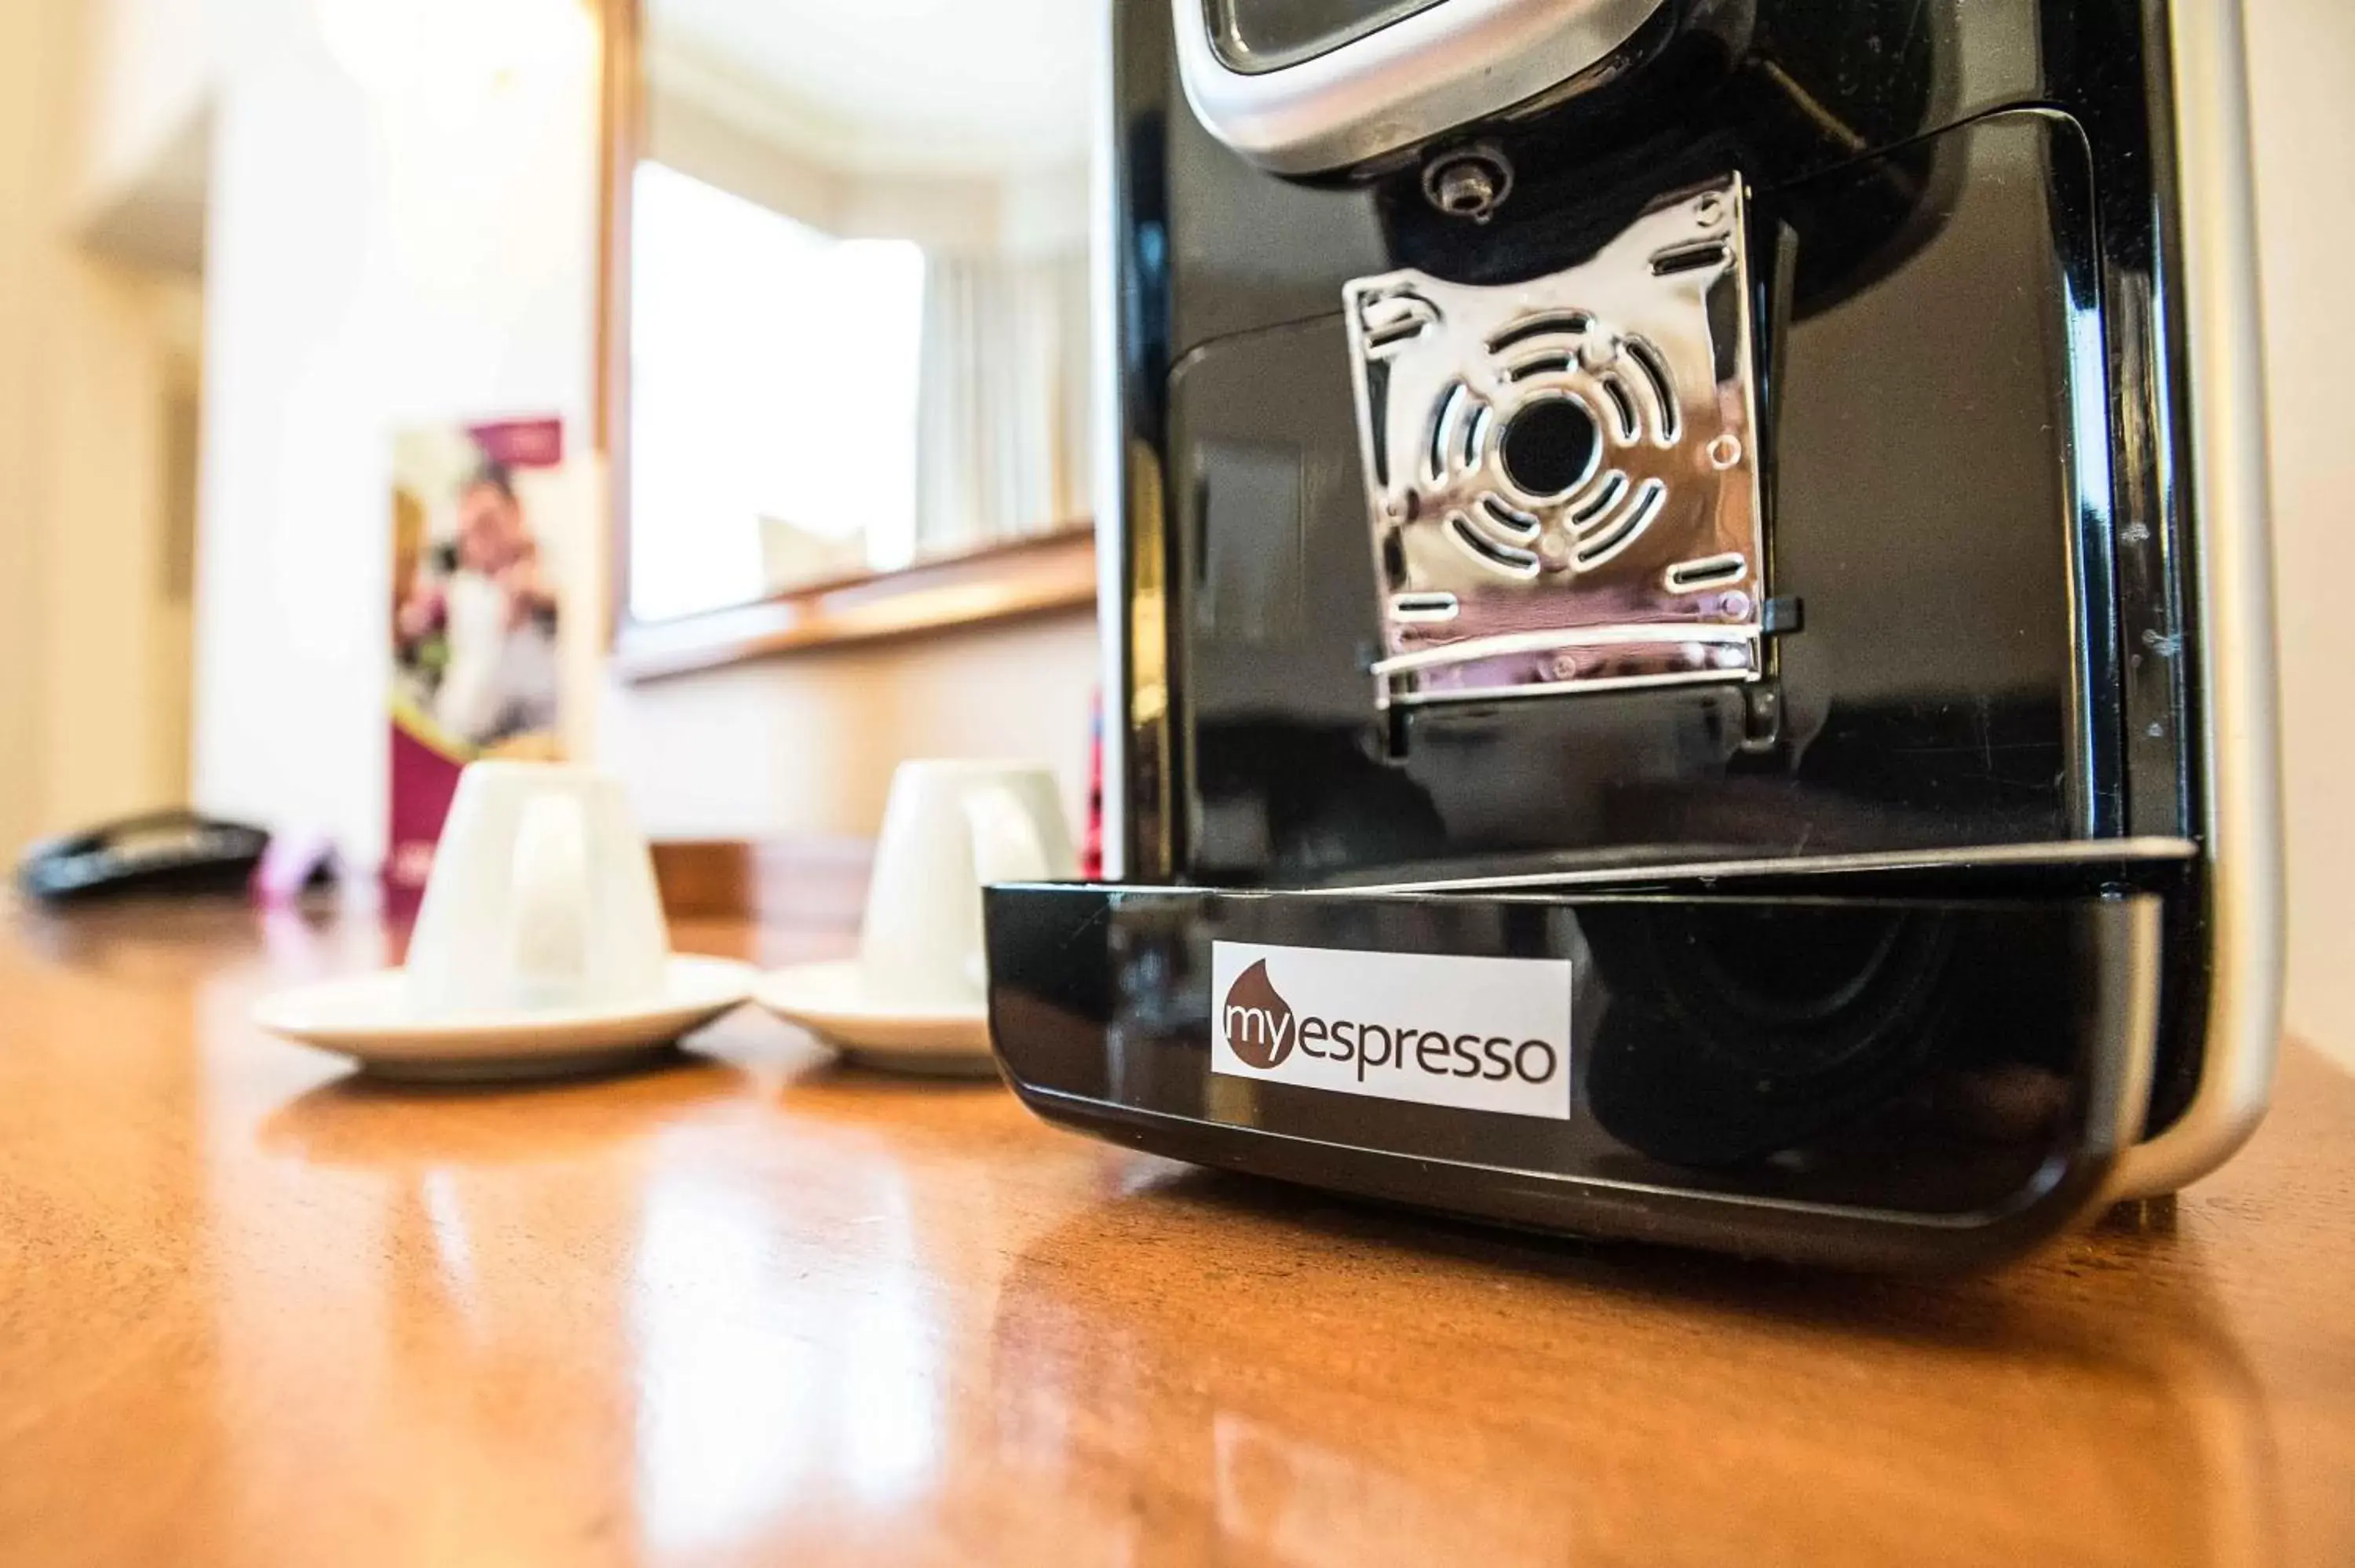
{"x": 1836, "y": 1071}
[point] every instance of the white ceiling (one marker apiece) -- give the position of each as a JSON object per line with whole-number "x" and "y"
{"x": 1007, "y": 81}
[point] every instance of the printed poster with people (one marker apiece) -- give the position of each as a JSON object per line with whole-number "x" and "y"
{"x": 478, "y": 522}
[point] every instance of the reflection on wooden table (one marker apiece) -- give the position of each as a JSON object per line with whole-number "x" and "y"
{"x": 756, "y": 1307}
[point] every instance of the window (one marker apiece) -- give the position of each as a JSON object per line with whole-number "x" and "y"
{"x": 773, "y": 393}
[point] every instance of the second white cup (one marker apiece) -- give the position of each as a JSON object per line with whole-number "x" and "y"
{"x": 950, "y": 828}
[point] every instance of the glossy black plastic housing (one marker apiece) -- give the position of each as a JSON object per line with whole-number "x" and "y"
{"x": 1945, "y": 538}
{"x": 1882, "y": 955}
{"x": 1975, "y": 461}
{"x": 1849, "y": 1074}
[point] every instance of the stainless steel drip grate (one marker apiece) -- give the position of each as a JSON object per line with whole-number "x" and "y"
{"x": 1561, "y": 473}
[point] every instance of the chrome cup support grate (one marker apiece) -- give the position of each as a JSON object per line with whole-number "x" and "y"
{"x": 1562, "y": 474}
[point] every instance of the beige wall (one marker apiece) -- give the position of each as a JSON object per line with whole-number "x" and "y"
{"x": 2302, "y": 62}
{"x": 147, "y": 78}
{"x": 113, "y": 731}
{"x": 93, "y": 658}
{"x": 30, "y": 71}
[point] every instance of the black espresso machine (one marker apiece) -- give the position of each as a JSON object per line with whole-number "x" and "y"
{"x": 1687, "y": 595}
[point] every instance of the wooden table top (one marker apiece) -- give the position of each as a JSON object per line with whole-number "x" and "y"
{"x": 758, "y": 1307}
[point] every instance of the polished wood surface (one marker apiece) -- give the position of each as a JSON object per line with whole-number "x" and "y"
{"x": 756, "y": 1307}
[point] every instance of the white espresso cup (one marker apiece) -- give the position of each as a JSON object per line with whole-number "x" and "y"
{"x": 542, "y": 896}
{"x": 949, "y": 830}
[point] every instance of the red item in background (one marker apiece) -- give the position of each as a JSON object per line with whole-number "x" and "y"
{"x": 1091, "y": 847}
{"x": 521, "y": 443}
{"x": 424, "y": 780}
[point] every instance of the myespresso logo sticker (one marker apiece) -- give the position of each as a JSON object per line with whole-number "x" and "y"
{"x": 1489, "y": 1034}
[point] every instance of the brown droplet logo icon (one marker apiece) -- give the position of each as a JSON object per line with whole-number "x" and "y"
{"x": 1259, "y": 1023}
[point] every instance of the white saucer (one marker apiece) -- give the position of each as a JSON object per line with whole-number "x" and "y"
{"x": 368, "y": 1017}
{"x": 833, "y": 1002}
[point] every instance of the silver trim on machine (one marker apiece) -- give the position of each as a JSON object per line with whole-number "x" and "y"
{"x": 2232, "y": 578}
{"x": 2062, "y": 853}
{"x": 1460, "y": 61}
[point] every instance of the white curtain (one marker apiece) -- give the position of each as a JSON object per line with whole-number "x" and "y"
{"x": 1002, "y": 415}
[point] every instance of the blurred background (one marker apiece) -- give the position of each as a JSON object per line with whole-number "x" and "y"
{"x": 247, "y": 245}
